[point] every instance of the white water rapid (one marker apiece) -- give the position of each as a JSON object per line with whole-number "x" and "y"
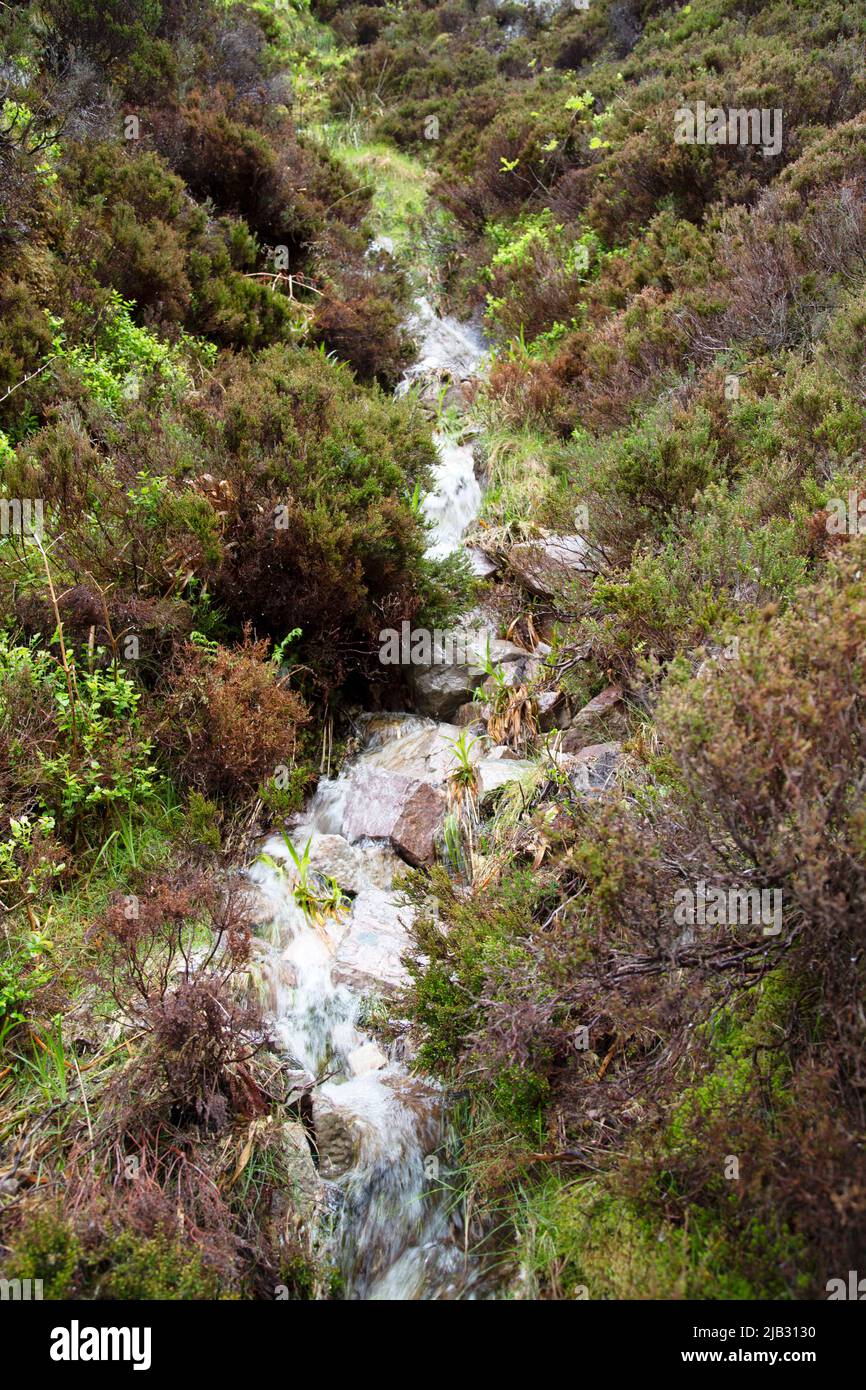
{"x": 381, "y": 1132}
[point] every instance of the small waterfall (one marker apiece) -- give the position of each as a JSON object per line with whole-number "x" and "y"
{"x": 451, "y": 351}
{"x": 381, "y": 1131}
{"x": 446, "y": 347}
{"x": 456, "y": 497}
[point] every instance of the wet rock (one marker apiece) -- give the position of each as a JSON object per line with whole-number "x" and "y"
{"x": 338, "y": 1140}
{"x": 480, "y": 454}
{"x": 305, "y": 1191}
{"x": 425, "y": 754}
{"x": 333, "y": 856}
{"x": 366, "y": 1058}
{"x": 547, "y": 567}
{"x": 259, "y": 909}
{"x": 482, "y": 564}
{"x": 369, "y": 955}
{"x": 439, "y": 691}
{"x": 375, "y": 801}
{"x": 415, "y": 830}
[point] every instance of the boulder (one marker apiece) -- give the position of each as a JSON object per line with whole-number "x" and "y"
{"x": 440, "y": 689}
{"x": 426, "y": 753}
{"x": 500, "y": 751}
{"x": 473, "y": 716}
{"x": 369, "y": 956}
{"x": 415, "y": 830}
{"x": 547, "y": 567}
{"x": 593, "y": 768}
{"x": 493, "y": 773}
{"x": 375, "y": 800}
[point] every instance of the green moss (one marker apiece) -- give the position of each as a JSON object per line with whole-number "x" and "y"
{"x": 580, "y": 1240}
{"x": 46, "y": 1249}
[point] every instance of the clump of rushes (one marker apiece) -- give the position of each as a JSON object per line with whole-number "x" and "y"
{"x": 318, "y": 895}
{"x": 463, "y": 778}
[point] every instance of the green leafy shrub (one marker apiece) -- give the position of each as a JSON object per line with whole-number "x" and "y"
{"x": 73, "y": 737}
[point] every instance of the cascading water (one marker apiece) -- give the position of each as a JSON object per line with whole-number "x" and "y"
{"x": 381, "y": 1132}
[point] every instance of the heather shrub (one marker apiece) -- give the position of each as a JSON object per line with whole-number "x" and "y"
{"x": 660, "y": 465}
{"x": 695, "y": 585}
{"x": 150, "y": 241}
{"x": 214, "y": 696}
{"x": 775, "y": 760}
{"x": 322, "y": 534}
{"x": 536, "y": 274}
{"x": 278, "y": 185}
{"x": 174, "y": 964}
{"x": 366, "y": 332}
{"x": 156, "y": 532}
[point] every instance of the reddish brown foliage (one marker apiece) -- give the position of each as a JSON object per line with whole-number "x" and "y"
{"x": 214, "y": 700}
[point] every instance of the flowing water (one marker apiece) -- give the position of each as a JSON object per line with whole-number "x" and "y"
{"x": 382, "y": 1132}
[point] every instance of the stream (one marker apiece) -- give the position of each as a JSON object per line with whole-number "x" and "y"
{"x": 381, "y": 1131}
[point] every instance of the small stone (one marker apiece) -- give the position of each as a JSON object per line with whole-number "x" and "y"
{"x": 593, "y": 767}
{"x": 605, "y": 709}
{"x": 601, "y": 704}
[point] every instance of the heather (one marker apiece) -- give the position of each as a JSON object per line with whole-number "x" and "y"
{"x": 214, "y": 222}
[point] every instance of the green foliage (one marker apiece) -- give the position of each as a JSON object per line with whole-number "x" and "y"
{"x": 122, "y": 355}
{"x": 25, "y": 966}
{"x": 123, "y": 1265}
{"x": 89, "y": 753}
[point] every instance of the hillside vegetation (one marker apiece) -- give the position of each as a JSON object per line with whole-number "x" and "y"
{"x": 197, "y": 367}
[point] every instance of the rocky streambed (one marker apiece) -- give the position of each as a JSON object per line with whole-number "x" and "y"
{"x": 378, "y": 1192}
